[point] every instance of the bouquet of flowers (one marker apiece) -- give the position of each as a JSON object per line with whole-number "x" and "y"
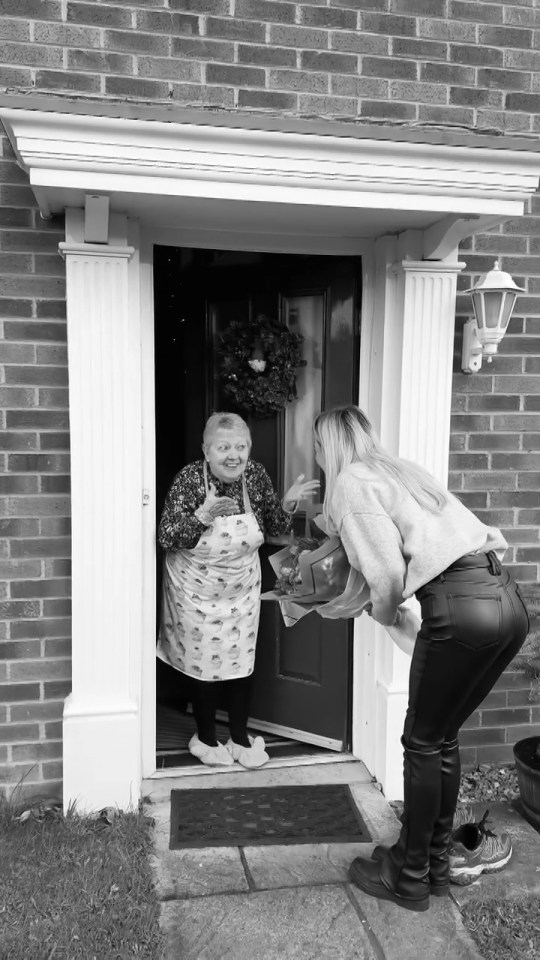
{"x": 315, "y": 575}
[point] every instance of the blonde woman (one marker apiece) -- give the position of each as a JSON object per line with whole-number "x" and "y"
{"x": 214, "y": 520}
{"x": 408, "y": 535}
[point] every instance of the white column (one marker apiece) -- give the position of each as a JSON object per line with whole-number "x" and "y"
{"x": 409, "y": 398}
{"x": 101, "y": 716}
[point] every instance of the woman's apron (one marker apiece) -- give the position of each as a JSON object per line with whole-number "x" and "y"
{"x": 211, "y": 599}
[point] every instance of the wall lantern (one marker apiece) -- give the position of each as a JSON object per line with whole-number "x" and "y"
{"x": 493, "y": 300}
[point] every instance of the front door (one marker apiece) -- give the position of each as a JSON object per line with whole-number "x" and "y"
{"x": 302, "y": 674}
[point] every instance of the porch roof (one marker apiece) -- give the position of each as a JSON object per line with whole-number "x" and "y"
{"x": 286, "y": 176}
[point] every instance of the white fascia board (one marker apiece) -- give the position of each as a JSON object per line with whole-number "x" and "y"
{"x": 82, "y": 152}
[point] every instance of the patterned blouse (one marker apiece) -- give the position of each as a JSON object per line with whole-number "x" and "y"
{"x": 179, "y": 528}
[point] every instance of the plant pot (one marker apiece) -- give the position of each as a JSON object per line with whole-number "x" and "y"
{"x": 527, "y": 757}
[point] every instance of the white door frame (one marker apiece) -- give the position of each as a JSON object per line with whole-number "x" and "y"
{"x": 228, "y": 241}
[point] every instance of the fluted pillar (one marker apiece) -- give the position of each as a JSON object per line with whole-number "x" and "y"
{"x": 101, "y": 716}
{"x": 409, "y": 398}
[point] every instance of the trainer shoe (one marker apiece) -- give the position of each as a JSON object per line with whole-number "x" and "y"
{"x": 464, "y": 814}
{"x": 475, "y": 850}
{"x": 217, "y": 756}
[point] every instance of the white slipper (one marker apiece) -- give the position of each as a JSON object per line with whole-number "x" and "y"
{"x": 218, "y": 756}
{"x": 250, "y": 757}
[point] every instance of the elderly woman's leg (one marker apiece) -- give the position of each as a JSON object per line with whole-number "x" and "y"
{"x": 204, "y": 744}
{"x": 246, "y": 750}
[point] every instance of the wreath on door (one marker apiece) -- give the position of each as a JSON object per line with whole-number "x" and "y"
{"x": 259, "y": 360}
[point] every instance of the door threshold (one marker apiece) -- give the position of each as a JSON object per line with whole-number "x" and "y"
{"x": 279, "y": 763}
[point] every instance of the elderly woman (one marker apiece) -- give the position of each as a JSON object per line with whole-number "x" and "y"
{"x": 214, "y": 521}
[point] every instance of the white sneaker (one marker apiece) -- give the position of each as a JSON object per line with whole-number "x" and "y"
{"x": 250, "y": 757}
{"x": 218, "y": 756}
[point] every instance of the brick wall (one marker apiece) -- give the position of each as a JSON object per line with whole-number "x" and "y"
{"x": 465, "y": 63}
{"x": 34, "y": 486}
{"x": 457, "y": 64}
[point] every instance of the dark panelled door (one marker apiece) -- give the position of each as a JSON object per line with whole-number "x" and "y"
{"x": 302, "y": 673}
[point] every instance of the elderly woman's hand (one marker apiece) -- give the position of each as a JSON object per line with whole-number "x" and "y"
{"x": 215, "y": 506}
{"x": 300, "y": 490}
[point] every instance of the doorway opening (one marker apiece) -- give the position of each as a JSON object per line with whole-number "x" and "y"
{"x": 301, "y": 698}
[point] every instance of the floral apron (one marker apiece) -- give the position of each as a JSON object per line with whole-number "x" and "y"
{"x": 211, "y": 599}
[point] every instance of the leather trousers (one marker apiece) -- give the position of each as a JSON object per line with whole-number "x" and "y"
{"x": 474, "y": 622}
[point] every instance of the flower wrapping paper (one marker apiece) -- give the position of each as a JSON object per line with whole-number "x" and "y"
{"x": 317, "y": 576}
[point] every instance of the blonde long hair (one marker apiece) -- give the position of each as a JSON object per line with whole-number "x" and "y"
{"x": 346, "y": 436}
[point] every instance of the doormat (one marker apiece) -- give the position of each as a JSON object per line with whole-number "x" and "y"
{"x": 245, "y": 816}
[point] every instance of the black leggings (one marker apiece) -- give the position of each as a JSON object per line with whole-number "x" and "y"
{"x": 205, "y": 696}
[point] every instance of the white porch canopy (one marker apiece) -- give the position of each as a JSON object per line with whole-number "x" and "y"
{"x": 402, "y": 199}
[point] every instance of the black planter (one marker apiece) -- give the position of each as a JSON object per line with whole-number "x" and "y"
{"x": 527, "y": 757}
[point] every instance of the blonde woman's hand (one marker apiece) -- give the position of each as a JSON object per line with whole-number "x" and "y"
{"x": 300, "y": 490}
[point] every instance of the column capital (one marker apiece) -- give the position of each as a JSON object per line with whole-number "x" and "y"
{"x": 74, "y": 248}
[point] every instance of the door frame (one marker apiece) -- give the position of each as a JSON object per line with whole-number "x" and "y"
{"x": 231, "y": 240}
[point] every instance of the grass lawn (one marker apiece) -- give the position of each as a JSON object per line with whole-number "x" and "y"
{"x": 506, "y": 929}
{"x": 75, "y": 888}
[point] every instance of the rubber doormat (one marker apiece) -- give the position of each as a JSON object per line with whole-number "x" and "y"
{"x": 245, "y": 816}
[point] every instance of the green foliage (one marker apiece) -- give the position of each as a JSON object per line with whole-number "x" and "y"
{"x": 261, "y": 392}
{"x": 506, "y": 929}
{"x": 74, "y": 888}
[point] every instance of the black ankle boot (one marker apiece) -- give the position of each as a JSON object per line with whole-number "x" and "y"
{"x": 403, "y": 873}
{"x": 439, "y": 882}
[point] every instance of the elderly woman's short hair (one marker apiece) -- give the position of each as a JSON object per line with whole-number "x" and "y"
{"x": 224, "y": 421}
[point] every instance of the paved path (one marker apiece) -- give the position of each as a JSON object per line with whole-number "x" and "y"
{"x": 294, "y": 902}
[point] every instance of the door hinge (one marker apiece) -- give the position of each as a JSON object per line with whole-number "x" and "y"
{"x": 145, "y": 498}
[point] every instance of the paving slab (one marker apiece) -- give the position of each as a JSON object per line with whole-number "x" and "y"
{"x": 521, "y": 876}
{"x": 192, "y": 872}
{"x": 302, "y": 864}
{"x": 437, "y": 934}
{"x": 317, "y": 923}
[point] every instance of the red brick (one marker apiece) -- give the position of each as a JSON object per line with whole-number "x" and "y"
{"x": 19, "y": 692}
{"x": 168, "y": 24}
{"x": 138, "y": 42}
{"x": 66, "y": 35}
{"x": 51, "y": 710}
{"x": 392, "y": 67}
{"x": 134, "y": 87}
{"x": 327, "y": 106}
{"x": 266, "y": 100}
{"x": 297, "y": 80}
{"x": 325, "y": 17}
{"x": 32, "y": 9}
{"x": 494, "y": 441}
{"x": 505, "y": 37}
{"x": 360, "y": 43}
{"x": 198, "y": 6}
{"x": 100, "y": 16}
{"x": 37, "y": 751}
{"x": 481, "y": 736}
{"x": 19, "y": 609}
{"x": 432, "y": 8}
{"x": 58, "y": 648}
{"x": 200, "y": 48}
{"x": 62, "y": 80}
{"x": 235, "y": 76}
{"x": 15, "y": 308}
{"x": 18, "y": 484}
{"x": 380, "y": 109}
{"x": 330, "y": 62}
{"x": 301, "y": 37}
{"x": 40, "y": 462}
{"x": 41, "y": 547}
{"x": 238, "y": 30}
{"x": 166, "y": 68}
{"x": 41, "y": 588}
{"x": 16, "y": 732}
{"x": 478, "y": 12}
{"x": 22, "y": 650}
{"x": 266, "y": 10}
{"x": 35, "y": 331}
{"x": 99, "y": 62}
{"x": 476, "y": 55}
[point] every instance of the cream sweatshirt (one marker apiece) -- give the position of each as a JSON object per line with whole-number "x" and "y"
{"x": 395, "y": 543}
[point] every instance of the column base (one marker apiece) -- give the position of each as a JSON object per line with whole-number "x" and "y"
{"x": 101, "y": 757}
